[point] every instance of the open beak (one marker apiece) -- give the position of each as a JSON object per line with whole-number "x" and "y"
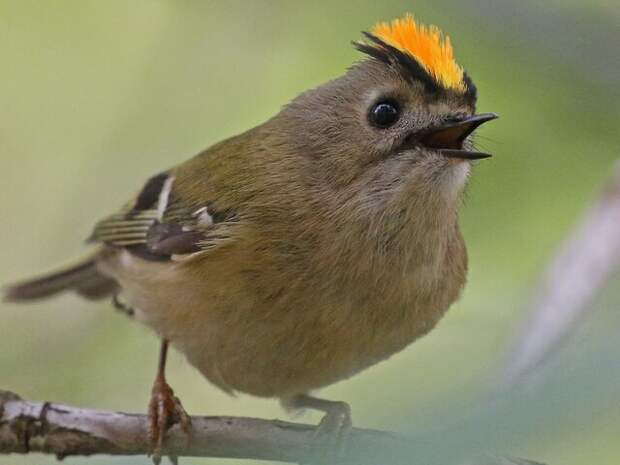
{"x": 448, "y": 138}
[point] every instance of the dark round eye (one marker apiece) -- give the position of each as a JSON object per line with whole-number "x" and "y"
{"x": 384, "y": 114}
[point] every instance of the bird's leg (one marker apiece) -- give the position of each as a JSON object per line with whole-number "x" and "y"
{"x": 122, "y": 306}
{"x": 332, "y": 431}
{"x": 165, "y": 409}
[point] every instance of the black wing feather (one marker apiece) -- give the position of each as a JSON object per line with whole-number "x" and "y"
{"x": 151, "y": 232}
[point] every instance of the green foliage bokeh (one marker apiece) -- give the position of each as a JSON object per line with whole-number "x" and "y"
{"x": 97, "y": 96}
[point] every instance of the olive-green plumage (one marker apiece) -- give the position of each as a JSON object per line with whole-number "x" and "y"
{"x": 306, "y": 249}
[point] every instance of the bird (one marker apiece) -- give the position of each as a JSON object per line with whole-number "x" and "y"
{"x": 308, "y": 248}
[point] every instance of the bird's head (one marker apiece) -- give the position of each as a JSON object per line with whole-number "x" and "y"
{"x": 398, "y": 122}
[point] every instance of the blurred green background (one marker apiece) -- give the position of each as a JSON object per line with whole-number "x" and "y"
{"x": 97, "y": 96}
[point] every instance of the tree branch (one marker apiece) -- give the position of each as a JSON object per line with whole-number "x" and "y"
{"x": 585, "y": 263}
{"x": 67, "y": 431}
{"x": 64, "y": 431}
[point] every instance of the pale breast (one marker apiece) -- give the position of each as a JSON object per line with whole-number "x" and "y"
{"x": 241, "y": 342}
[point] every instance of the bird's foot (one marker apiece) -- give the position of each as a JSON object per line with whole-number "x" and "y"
{"x": 165, "y": 410}
{"x": 122, "y": 306}
{"x": 331, "y": 434}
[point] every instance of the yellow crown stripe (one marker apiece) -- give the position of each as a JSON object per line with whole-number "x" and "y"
{"x": 428, "y": 45}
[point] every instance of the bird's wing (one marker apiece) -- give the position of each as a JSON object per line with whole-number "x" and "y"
{"x": 160, "y": 225}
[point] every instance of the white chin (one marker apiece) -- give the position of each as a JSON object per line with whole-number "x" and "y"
{"x": 454, "y": 178}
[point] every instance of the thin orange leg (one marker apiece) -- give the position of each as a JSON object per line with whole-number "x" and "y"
{"x": 165, "y": 409}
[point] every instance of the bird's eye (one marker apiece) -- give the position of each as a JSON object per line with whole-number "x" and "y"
{"x": 384, "y": 114}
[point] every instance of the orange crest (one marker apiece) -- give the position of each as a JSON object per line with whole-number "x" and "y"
{"x": 427, "y": 45}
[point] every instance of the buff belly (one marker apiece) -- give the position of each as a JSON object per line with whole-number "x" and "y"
{"x": 241, "y": 344}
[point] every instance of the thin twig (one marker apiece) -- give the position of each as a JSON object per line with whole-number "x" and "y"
{"x": 68, "y": 431}
{"x": 64, "y": 431}
{"x": 582, "y": 266}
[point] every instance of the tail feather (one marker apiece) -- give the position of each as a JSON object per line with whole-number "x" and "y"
{"x": 83, "y": 278}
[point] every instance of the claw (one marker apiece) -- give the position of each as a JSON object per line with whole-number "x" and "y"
{"x": 165, "y": 410}
{"x": 334, "y": 428}
{"x": 331, "y": 434}
{"x": 122, "y": 306}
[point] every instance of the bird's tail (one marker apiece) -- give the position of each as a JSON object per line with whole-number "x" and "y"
{"x": 82, "y": 277}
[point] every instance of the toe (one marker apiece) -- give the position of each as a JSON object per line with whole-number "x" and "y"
{"x": 165, "y": 409}
{"x": 338, "y": 418}
{"x": 332, "y": 433}
{"x": 158, "y": 419}
{"x": 181, "y": 417}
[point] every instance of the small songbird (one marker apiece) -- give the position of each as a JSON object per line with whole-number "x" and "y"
{"x": 308, "y": 248}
